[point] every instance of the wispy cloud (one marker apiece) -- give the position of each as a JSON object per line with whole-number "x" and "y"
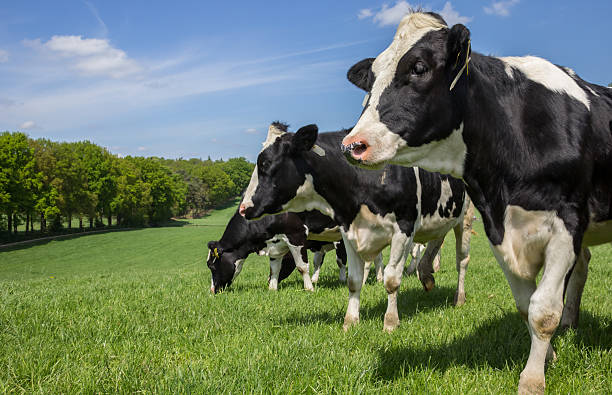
{"x": 392, "y": 15}
{"x": 365, "y": 13}
{"x": 251, "y": 131}
{"x": 45, "y": 88}
{"x": 89, "y": 56}
{"x": 4, "y": 56}
{"x": 451, "y": 16}
{"x": 96, "y": 14}
{"x": 27, "y": 125}
{"x": 500, "y": 8}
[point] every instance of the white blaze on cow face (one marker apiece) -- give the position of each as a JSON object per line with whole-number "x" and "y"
{"x": 247, "y": 201}
{"x": 384, "y": 144}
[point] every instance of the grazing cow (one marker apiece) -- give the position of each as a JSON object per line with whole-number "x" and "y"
{"x": 274, "y": 236}
{"x": 374, "y": 208}
{"x": 532, "y": 142}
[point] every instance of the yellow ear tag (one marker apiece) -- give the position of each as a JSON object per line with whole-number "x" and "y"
{"x": 216, "y": 253}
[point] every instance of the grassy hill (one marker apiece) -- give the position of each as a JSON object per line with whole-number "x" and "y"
{"x": 131, "y": 312}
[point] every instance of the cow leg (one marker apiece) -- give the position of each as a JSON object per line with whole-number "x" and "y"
{"x": 317, "y": 262}
{"x": 378, "y": 265}
{"x": 400, "y": 243}
{"x": 275, "y": 268}
{"x": 341, "y": 261}
{"x": 545, "y": 308}
{"x": 366, "y": 271}
{"x": 354, "y": 281}
{"x": 300, "y": 256}
{"x": 415, "y": 254}
{"x": 573, "y": 292}
{"x": 425, "y": 266}
{"x": 463, "y": 236}
{"x": 541, "y": 306}
{"x": 436, "y": 260}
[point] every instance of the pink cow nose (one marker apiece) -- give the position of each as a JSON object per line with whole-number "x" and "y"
{"x": 242, "y": 209}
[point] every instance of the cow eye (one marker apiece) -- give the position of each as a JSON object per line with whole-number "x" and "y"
{"x": 265, "y": 164}
{"x": 419, "y": 68}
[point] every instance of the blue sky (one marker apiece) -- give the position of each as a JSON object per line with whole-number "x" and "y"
{"x": 202, "y": 78}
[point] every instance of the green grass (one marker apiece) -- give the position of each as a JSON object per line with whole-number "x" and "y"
{"x": 131, "y": 312}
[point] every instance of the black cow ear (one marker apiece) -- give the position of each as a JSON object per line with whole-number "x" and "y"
{"x": 361, "y": 74}
{"x": 215, "y": 249}
{"x": 305, "y": 138}
{"x": 458, "y": 46}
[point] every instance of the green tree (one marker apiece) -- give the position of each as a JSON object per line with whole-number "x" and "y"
{"x": 18, "y": 177}
{"x": 220, "y": 185}
{"x": 46, "y": 204}
{"x": 239, "y": 170}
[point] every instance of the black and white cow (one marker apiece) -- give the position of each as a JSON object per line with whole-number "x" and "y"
{"x": 531, "y": 140}
{"x": 278, "y": 237}
{"x": 374, "y": 208}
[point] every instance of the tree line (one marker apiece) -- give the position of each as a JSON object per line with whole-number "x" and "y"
{"x": 55, "y": 183}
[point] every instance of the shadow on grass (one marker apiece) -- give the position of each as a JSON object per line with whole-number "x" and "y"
{"x": 411, "y": 301}
{"x": 499, "y": 343}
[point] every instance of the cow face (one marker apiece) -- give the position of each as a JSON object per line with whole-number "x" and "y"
{"x": 280, "y": 175}
{"x": 411, "y": 116}
{"x": 222, "y": 265}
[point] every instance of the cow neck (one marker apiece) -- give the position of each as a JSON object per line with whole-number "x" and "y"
{"x": 486, "y": 125}
{"x": 245, "y": 237}
{"x": 341, "y": 188}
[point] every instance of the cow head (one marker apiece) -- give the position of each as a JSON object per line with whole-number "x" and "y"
{"x": 224, "y": 266}
{"x": 411, "y": 116}
{"x": 281, "y": 180}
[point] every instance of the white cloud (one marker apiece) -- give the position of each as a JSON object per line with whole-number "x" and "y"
{"x": 251, "y": 131}
{"x": 142, "y": 149}
{"x": 391, "y": 16}
{"x": 365, "y": 13}
{"x": 500, "y": 8}
{"x": 451, "y": 16}
{"x": 28, "y": 125}
{"x": 4, "y": 56}
{"x": 90, "y": 56}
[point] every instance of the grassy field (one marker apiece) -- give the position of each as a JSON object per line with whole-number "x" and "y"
{"x": 131, "y": 312}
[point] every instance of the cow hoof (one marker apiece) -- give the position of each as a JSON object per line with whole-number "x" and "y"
{"x": 315, "y": 279}
{"x": 531, "y": 385}
{"x": 459, "y": 299}
{"x": 380, "y": 279}
{"x": 349, "y": 321}
{"x": 391, "y": 322}
{"x": 309, "y": 289}
{"x": 428, "y": 284}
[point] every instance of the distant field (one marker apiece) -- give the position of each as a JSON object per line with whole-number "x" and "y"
{"x": 131, "y": 312}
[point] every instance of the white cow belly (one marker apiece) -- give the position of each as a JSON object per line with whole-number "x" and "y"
{"x": 370, "y": 233}
{"x": 276, "y": 247}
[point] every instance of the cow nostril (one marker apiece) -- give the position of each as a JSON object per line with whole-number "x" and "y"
{"x": 359, "y": 148}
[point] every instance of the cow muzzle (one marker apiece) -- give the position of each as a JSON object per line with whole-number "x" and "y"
{"x": 355, "y": 150}
{"x": 242, "y": 209}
